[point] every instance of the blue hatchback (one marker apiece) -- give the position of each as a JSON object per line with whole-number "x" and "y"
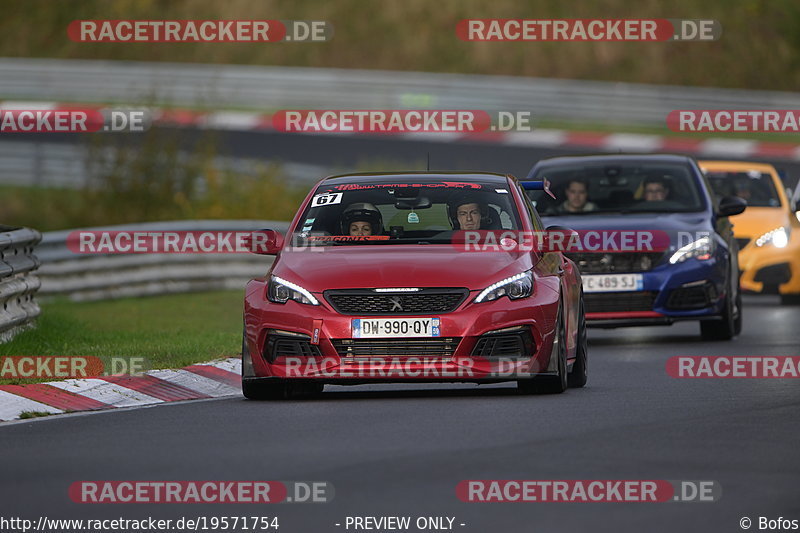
{"x": 694, "y": 276}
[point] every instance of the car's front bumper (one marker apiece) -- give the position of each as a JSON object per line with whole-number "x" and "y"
{"x": 691, "y": 290}
{"x": 324, "y": 332}
{"x": 769, "y": 269}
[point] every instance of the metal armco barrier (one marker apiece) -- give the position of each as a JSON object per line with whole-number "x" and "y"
{"x": 84, "y": 277}
{"x": 17, "y": 283}
{"x": 263, "y": 88}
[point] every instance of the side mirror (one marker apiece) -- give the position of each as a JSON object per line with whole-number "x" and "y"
{"x": 266, "y": 242}
{"x": 730, "y": 206}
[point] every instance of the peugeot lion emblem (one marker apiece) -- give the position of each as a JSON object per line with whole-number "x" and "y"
{"x": 396, "y": 305}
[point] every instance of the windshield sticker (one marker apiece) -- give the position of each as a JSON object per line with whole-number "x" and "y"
{"x": 501, "y": 191}
{"x": 347, "y": 238}
{"x": 413, "y": 218}
{"x": 326, "y": 199}
{"x": 432, "y": 185}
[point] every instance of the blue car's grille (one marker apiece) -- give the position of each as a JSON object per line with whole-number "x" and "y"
{"x": 604, "y": 263}
{"x": 610, "y": 302}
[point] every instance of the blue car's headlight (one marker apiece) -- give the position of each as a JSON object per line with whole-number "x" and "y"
{"x": 281, "y": 291}
{"x": 779, "y": 237}
{"x": 702, "y": 249}
{"x": 515, "y": 287}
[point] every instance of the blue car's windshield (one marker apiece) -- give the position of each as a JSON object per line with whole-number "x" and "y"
{"x": 611, "y": 188}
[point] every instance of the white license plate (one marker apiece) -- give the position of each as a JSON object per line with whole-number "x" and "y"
{"x": 365, "y": 328}
{"x": 612, "y": 282}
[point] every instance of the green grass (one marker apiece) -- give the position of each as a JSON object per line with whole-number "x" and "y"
{"x": 169, "y": 331}
{"x": 33, "y": 414}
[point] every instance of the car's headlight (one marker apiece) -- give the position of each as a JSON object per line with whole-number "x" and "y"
{"x": 702, "y": 249}
{"x": 281, "y": 291}
{"x": 515, "y": 287}
{"x": 779, "y": 237}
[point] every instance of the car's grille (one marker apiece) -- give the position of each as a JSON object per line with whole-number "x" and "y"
{"x": 609, "y": 302}
{"x": 600, "y": 263}
{"x": 742, "y": 242}
{"x": 517, "y": 344}
{"x": 278, "y": 345}
{"x": 365, "y": 302}
{"x": 696, "y": 297}
{"x": 437, "y": 348}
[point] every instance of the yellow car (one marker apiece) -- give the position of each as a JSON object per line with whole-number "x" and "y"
{"x": 768, "y": 232}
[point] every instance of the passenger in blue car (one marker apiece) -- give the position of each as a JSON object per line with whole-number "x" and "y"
{"x": 655, "y": 190}
{"x": 577, "y": 197}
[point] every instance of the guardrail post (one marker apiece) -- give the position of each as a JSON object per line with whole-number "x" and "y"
{"x": 18, "y": 285}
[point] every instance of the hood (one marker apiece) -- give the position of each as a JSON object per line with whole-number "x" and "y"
{"x": 756, "y": 221}
{"x": 350, "y": 267}
{"x": 678, "y": 226}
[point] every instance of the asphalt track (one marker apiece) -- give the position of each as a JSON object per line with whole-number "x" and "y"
{"x": 401, "y": 449}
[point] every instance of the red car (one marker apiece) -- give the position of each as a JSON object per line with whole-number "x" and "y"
{"x": 375, "y": 284}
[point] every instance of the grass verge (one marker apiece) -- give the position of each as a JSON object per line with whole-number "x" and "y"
{"x": 169, "y": 331}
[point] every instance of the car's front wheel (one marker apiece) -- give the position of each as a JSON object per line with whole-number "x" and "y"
{"x": 551, "y": 384}
{"x": 724, "y": 328}
{"x": 580, "y": 371}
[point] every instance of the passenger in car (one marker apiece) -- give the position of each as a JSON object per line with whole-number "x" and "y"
{"x": 577, "y": 198}
{"x": 655, "y": 190}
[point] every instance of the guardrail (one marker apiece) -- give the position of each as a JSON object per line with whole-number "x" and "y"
{"x": 17, "y": 283}
{"x": 268, "y": 88}
{"x": 84, "y": 277}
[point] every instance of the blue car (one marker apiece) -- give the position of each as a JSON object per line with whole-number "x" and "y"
{"x": 694, "y": 275}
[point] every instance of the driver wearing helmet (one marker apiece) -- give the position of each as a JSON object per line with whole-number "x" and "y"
{"x": 466, "y": 211}
{"x": 361, "y": 219}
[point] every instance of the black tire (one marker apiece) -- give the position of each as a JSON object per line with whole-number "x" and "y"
{"x": 580, "y": 368}
{"x": 790, "y": 299}
{"x": 737, "y": 321}
{"x": 550, "y": 384}
{"x": 722, "y": 329}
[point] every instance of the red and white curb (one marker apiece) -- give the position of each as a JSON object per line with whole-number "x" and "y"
{"x": 550, "y": 138}
{"x": 207, "y": 380}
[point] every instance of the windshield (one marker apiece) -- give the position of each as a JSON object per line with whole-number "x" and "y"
{"x": 617, "y": 188}
{"x": 403, "y": 212}
{"x": 758, "y": 188}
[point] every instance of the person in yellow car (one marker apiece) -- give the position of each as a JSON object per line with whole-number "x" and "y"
{"x": 768, "y": 232}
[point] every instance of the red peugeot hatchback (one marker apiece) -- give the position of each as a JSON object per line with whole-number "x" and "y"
{"x": 375, "y": 283}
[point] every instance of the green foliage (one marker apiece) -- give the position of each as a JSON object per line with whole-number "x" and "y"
{"x": 759, "y": 48}
{"x": 155, "y": 177}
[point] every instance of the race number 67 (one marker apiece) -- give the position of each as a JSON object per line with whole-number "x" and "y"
{"x": 326, "y": 199}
